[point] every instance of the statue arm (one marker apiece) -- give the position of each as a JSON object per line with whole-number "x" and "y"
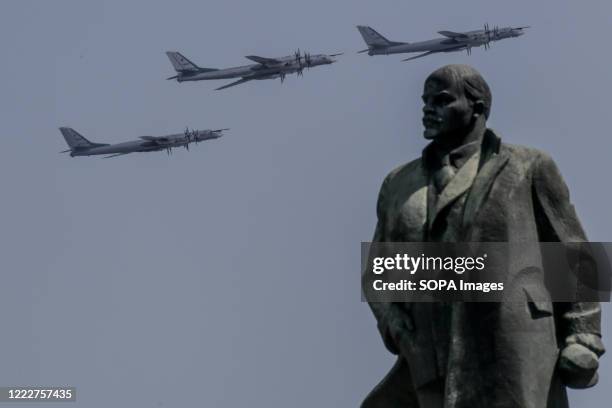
{"x": 558, "y": 222}
{"x": 580, "y": 322}
{"x": 386, "y": 313}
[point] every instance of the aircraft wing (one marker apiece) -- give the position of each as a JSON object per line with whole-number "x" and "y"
{"x": 452, "y": 34}
{"x": 115, "y": 155}
{"x": 238, "y": 82}
{"x": 262, "y": 60}
{"x": 458, "y": 48}
{"x": 421, "y": 55}
{"x": 448, "y": 41}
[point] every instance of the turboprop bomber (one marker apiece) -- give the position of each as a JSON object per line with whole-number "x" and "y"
{"x": 264, "y": 68}
{"x": 79, "y": 146}
{"x": 450, "y": 42}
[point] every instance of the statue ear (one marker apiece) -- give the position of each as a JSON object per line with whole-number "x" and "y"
{"x": 478, "y": 108}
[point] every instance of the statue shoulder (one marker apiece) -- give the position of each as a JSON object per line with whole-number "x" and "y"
{"x": 403, "y": 171}
{"x": 527, "y": 156}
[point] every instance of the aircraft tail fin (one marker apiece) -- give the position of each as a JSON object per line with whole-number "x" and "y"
{"x": 76, "y": 141}
{"x": 183, "y": 66}
{"x": 373, "y": 39}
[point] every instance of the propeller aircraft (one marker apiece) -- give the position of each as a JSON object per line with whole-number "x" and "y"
{"x": 264, "y": 68}
{"x": 450, "y": 42}
{"x": 79, "y": 146}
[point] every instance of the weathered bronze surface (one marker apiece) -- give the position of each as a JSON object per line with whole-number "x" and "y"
{"x": 469, "y": 186}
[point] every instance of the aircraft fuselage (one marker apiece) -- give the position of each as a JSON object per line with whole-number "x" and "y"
{"x": 285, "y": 65}
{"x": 473, "y": 38}
{"x": 125, "y": 147}
{"x": 149, "y": 143}
{"x": 429, "y": 45}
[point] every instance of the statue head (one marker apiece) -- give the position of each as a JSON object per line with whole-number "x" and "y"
{"x": 457, "y": 103}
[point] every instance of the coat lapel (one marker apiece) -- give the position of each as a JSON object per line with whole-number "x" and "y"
{"x": 414, "y": 208}
{"x": 482, "y": 185}
{"x": 458, "y": 185}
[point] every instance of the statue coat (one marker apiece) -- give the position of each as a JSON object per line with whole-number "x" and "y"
{"x": 496, "y": 355}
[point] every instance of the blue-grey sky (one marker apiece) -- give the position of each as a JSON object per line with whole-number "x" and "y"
{"x": 229, "y": 275}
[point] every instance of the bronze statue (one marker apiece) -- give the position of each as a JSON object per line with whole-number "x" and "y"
{"x": 468, "y": 186}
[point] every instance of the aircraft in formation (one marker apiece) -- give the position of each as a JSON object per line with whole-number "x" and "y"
{"x": 450, "y": 42}
{"x": 264, "y": 68}
{"x": 79, "y": 146}
{"x": 271, "y": 68}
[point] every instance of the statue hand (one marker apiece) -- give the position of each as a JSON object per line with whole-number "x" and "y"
{"x": 579, "y": 360}
{"x": 591, "y": 341}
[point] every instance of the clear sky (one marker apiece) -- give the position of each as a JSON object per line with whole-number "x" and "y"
{"x": 228, "y": 275}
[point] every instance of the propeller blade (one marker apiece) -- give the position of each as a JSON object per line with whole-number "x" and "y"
{"x": 298, "y": 58}
{"x": 487, "y": 31}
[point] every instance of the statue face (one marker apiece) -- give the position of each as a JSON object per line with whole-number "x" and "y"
{"x": 447, "y": 112}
